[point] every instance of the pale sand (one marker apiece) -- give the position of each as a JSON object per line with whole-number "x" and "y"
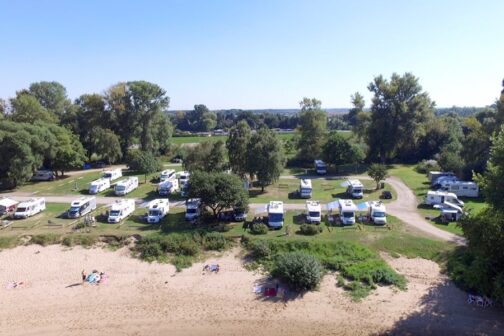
{"x": 137, "y": 301}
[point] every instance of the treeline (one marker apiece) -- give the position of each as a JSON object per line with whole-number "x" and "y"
{"x": 42, "y": 127}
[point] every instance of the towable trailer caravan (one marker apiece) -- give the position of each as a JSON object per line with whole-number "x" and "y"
{"x": 192, "y": 209}
{"x": 29, "y": 208}
{"x": 126, "y": 186}
{"x": 158, "y": 209}
{"x": 7, "y": 205}
{"x": 81, "y": 207}
{"x": 113, "y": 174}
{"x": 347, "y": 211}
{"x": 275, "y": 214}
{"x": 99, "y": 185}
{"x": 43, "y": 175}
{"x": 320, "y": 167}
{"x": 167, "y": 175}
{"x": 168, "y": 187}
{"x": 313, "y": 212}
{"x": 463, "y": 189}
{"x": 377, "y": 212}
{"x": 305, "y": 188}
{"x": 120, "y": 210}
{"x": 355, "y": 189}
{"x": 444, "y": 182}
{"x": 440, "y": 197}
{"x": 434, "y": 175}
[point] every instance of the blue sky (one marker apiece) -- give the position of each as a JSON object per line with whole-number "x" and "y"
{"x": 255, "y": 54}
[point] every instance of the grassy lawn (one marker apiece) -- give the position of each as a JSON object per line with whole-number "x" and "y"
{"x": 324, "y": 190}
{"x": 179, "y": 140}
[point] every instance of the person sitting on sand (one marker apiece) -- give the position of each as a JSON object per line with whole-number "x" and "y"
{"x": 84, "y": 276}
{"x": 206, "y": 268}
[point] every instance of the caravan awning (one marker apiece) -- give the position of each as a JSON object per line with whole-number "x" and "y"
{"x": 363, "y": 206}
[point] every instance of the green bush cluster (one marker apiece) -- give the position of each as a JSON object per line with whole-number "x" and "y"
{"x": 83, "y": 240}
{"x": 45, "y": 239}
{"x": 310, "y": 229}
{"x": 259, "y": 229}
{"x": 299, "y": 270}
{"x": 8, "y": 242}
{"x": 425, "y": 166}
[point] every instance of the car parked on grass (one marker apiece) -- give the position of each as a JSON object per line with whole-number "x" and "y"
{"x": 386, "y": 194}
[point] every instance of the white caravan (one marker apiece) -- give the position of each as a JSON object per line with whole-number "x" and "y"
{"x": 120, "y": 210}
{"x": 450, "y": 212}
{"x": 184, "y": 177}
{"x": 347, "y": 210}
{"x": 305, "y": 188}
{"x": 99, "y": 185}
{"x": 377, "y": 212}
{"x": 440, "y": 197}
{"x": 168, "y": 187}
{"x": 166, "y": 175}
{"x": 7, "y": 205}
{"x": 355, "y": 189}
{"x": 463, "y": 189}
{"x": 444, "y": 181}
{"x": 81, "y": 207}
{"x": 275, "y": 214}
{"x": 313, "y": 212}
{"x": 126, "y": 186}
{"x": 43, "y": 175}
{"x": 434, "y": 175}
{"x": 193, "y": 206}
{"x": 29, "y": 208}
{"x": 320, "y": 167}
{"x": 113, "y": 174}
{"x": 158, "y": 209}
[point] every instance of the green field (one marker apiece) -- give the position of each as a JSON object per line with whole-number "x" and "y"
{"x": 179, "y": 140}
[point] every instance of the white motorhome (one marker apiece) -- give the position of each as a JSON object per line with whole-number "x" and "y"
{"x": 43, "y": 175}
{"x": 463, "y": 189}
{"x": 440, "y": 197}
{"x": 168, "y": 187}
{"x": 99, "y": 185}
{"x": 355, "y": 189}
{"x": 347, "y": 210}
{"x": 29, "y": 208}
{"x": 305, "y": 188}
{"x": 450, "y": 212}
{"x": 7, "y": 205}
{"x": 275, "y": 214}
{"x": 126, "y": 186}
{"x": 120, "y": 210}
{"x": 158, "y": 209}
{"x": 184, "y": 178}
{"x": 193, "y": 208}
{"x": 377, "y": 212}
{"x": 166, "y": 175}
{"x": 320, "y": 167}
{"x": 434, "y": 175}
{"x": 113, "y": 174}
{"x": 81, "y": 207}
{"x": 313, "y": 212}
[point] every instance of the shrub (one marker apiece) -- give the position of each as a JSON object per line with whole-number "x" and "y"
{"x": 45, "y": 239}
{"x": 260, "y": 249}
{"x": 83, "y": 240}
{"x": 180, "y": 262}
{"x": 426, "y": 166}
{"x": 300, "y": 270}
{"x": 259, "y": 228}
{"x": 310, "y": 229}
{"x": 8, "y": 242}
{"x": 215, "y": 241}
{"x": 188, "y": 248}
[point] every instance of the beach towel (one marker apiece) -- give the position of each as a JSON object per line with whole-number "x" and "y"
{"x": 92, "y": 278}
{"x": 104, "y": 278}
{"x": 270, "y": 292}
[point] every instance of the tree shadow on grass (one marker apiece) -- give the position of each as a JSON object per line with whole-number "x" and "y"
{"x": 445, "y": 311}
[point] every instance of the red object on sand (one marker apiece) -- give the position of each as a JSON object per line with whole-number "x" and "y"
{"x": 270, "y": 292}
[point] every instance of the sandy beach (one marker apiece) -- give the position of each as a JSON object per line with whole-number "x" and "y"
{"x": 152, "y": 299}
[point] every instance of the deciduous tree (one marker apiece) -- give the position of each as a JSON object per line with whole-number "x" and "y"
{"x": 312, "y": 129}
{"x": 237, "y": 143}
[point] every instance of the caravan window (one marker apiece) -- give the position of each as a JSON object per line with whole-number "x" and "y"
{"x": 314, "y": 214}
{"x": 455, "y": 187}
{"x": 115, "y": 212}
{"x": 465, "y": 188}
{"x": 120, "y": 188}
{"x": 379, "y": 214}
{"x": 154, "y": 213}
{"x": 21, "y": 210}
{"x": 348, "y": 214}
{"x": 191, "y": 211}
{"x": 276, "y": 218}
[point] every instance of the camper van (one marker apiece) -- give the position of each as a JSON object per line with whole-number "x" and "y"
{"x": 113, "y": 174}
{"x": 81, "y": 207}
{"x": 158, "y": 209}
{"x": 355, "y": 189}
{"x": 320, "y": 167}
{"x": 7, "y": 205}
{"x": 192, "y": 209}
{"x": 126, "y": 186}
{"x": 99, "y": 185}
{"x": 184, "y": 178}
{"x": 120, "y": 210}
{"x": 43, "y": 175}
{"x": 434, "y": 175}
{"x": 440, "y": 197}
{"x": 168, "y": 187}
{"x": 449, "y": 212}
{"x": 167, "y": 175}
{"x": 313, "y": 212}
{"x": 463, "y": 189}
{"x": 305, "y": 188}
{"x": 29, "y": 208}
{"x": 347, "y": 211}
{"x": 377, "y": 212}
{"x": 275, "y": 214}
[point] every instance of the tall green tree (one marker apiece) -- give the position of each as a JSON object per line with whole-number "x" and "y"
{"x": 105, "y": 144}
{"x": 52, "y": 96}
{"x": 69, "y": 151}
{"x": 399, "y": 110}
{"x": 237, "y": 143}
{"x": 312, "y": 129}
{"x": 358, "y": 103}
{"x": 338, "y": 151}
{"x": 265, "y": 158}
{"x": 218, "y": 191}
{"x": 27, "y": 109}
{"x": 143, "y": 162}
{"x": 209, "y": 156}
{"x": 378, "y": 172}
